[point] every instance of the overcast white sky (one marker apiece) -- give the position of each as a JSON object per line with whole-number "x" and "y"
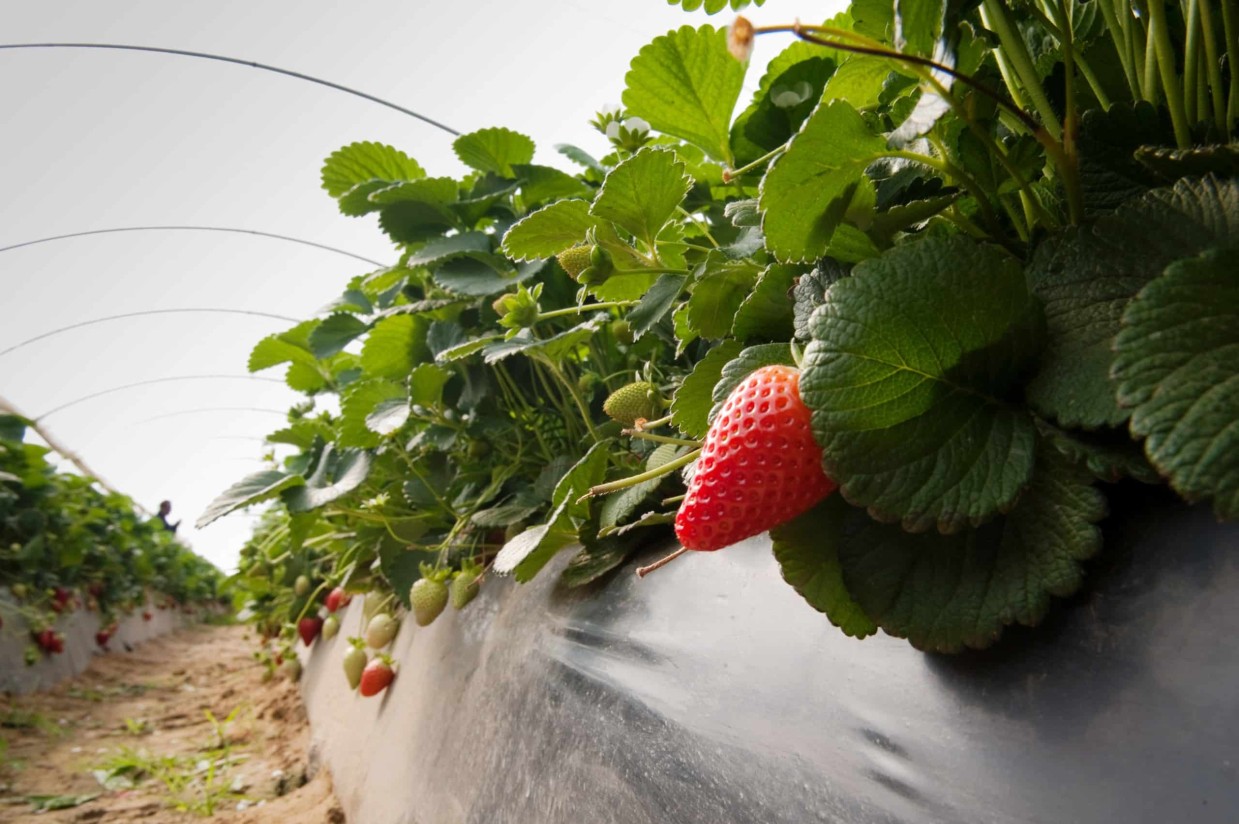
{"x": 103, "y": 139}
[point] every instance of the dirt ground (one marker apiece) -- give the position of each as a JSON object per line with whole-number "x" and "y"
{"x": 181, "y": 727}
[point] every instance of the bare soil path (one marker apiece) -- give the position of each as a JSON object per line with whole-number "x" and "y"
{"x": 181, "y": 728}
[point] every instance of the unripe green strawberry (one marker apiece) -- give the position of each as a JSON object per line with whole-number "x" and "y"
{"x": 381, "y": 630}
{"x": 302, "y": 585}
{"x": 574, "y": 260}
{"x": 355, "y": 660}
{"x": 331, "y": 626}
{"x": 759, "y": 465}
{"x": 464, "y": 588}
{"x": 428, "y": 597}
{"x": 630, "y": 403}
{"x": 621, "y": 330}
{"x": 291, "y": 668}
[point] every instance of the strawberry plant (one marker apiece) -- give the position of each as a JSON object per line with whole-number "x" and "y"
{"x": 66, "y": 545}
{"x": 971, "y": 264}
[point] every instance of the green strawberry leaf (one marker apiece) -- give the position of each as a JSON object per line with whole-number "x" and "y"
{"x": 549, "y": 230}
{"x": 364, "y": 162}
{"x": 443, "y": 249}
{"x": 948, "y": 592}
{"x": 290, "y": 346}
{"x": 741, "y": 366}
{"x": 580, "y": 157}
{"x": 1087, "y": 278}
{"x": 541, "y": 184}
{"x": 619, "y": 506}
{"x": 913, "y": 361}
{"x": 478, "y": 274}
{"x": 528, "y": 552}
{"x": 718, "y": 294}
{"x": 426, "y": 383}
{"x": 394, "y": 346}
{"x": 641, "y": 194}
{"x": 809, "y": 561}
{"x": 494, "y": 150}
{"x": 251, "y": 490}
{"x": 359, "y": 401}
{"x": 686, "y": 84}
{"x": 714, "y": 6}
{"x": 859, "y": 81}
{"x": 810, "y": 293}
{"x": 594, "y": 561}
{"x": 334, "y": 333}
{"x": 781, "y": 105}
{"x": 1110, "y": 455}
{"x": 1177, "y": 366}
{"x": 690, "y": 408}
{"x": 807, "y": 190}
{"x": 339, "y": 472}
{"x": 767, "y": 312}
{"x": 656, "y": 303}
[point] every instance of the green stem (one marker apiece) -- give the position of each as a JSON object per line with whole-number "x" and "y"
{"x": 1165, "y": 62}
{"x": 1071, "y": 115}
{"x": 1213, "y": 65}
{"x": 1117, "y": 37}
{"x": 648, "y": 475}
{"x": 997, "y": 18}
{"x": 731, "y": 174}
{"x": 702, "y": 226}
{"x": 1061, "y": 27}
{"x": 645, "y": 436}
{"x": 587, "y": 307}
{"x": 650, "y": 271}
{"x": 657, "y": 422}
{"x": 1191, "y": 62}
{"x": 1229, "y": 31}
{"x": 1150, "y": 65}
{"x": 574, "y": 394}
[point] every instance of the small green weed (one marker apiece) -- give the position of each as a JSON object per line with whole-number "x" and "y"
{"x": 198, "y": 783}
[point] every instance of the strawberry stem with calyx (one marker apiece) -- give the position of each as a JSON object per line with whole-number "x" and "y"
{"x": 661, "y": 562}
{"x": 649, "y": 475}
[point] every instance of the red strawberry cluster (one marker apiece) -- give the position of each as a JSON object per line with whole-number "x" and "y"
{"x": 50, "y": 641}
{"x": 759, "y": 465}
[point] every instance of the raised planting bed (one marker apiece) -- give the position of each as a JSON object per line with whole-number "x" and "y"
{"x": 710, "y": 692}
{"x": 78, "y": 629}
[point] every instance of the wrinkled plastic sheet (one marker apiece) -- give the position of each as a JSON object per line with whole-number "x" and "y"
{"x": 710, "y": 692}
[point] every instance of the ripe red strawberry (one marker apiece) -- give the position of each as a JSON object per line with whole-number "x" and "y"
{"x": 146, "y": 616}
{"x": 337, "y": 598}
{"x": 376, "y": 676}
{"x": 759, "y": 466}
{"x": 102, "y": 637}
{"x": 309, "y": 627}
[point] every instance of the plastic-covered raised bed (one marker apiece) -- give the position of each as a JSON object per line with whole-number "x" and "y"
{"x": 711, "y": 692}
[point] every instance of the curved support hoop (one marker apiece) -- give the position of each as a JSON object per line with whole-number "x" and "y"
{"x": 225, "y": 59}
{"x": 256, "y": 232}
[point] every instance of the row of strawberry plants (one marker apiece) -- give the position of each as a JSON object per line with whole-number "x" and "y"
{"x": 968, "y": 263}
{"x": 65, "y": 545}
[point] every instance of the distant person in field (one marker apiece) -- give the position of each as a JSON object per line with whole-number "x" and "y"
{"x": 165, "y": 508}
